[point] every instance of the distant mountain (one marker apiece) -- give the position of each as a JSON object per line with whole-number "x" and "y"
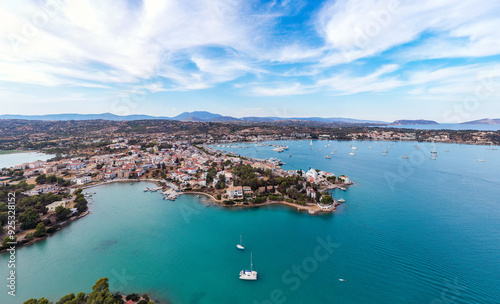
{"x": 202, "y": 116}
{"x": 405, "y": 122}
{"x": 484, "y": 121}
{"x": 338, "y": 119}
{"x": 197, "y": 116}
{"x": 69, "y": 116}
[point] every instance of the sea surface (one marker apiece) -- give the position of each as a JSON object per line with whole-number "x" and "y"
{"x": 411, "y": 231}
{"x": 13, "y": 159}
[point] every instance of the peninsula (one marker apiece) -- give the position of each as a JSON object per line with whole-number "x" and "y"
{"x": 49, "y": 194}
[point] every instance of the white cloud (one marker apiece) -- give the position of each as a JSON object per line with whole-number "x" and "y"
{"x": 284, "y": 89}
{"x": 112, "y": 42}
{"x": 355, "y": 29}
{"x": 153, "y": 46}
{"x": 374, "y": 82}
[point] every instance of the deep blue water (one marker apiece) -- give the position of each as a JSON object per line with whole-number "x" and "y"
{"x": 412, "y": 231}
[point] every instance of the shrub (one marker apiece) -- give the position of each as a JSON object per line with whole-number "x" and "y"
{"x": 30, "y": 236}
{"x": 134, "y": 297}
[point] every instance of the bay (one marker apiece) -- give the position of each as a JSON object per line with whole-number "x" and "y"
{"x": 412, "y": 231}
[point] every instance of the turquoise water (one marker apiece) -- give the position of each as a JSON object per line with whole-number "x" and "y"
{"x": 13, "y": 159}
{"x": 411, "y": 231}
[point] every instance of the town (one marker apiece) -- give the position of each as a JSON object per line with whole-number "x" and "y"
{"x": 50, "y": 192}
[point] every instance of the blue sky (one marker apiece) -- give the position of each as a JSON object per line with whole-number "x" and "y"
{"x": 371, "y": 59}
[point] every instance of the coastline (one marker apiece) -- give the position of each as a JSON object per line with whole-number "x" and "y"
{"x": 311, "y": 209}
{"x": 35, "y": 240}
{"x": 6, "y": 152}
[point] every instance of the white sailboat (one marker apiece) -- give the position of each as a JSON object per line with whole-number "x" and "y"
{"x": 249, "y": 275}
{"x": 434, "y": 152}
{"x": 240, "y": 246}
{"x": 311, "y": 144}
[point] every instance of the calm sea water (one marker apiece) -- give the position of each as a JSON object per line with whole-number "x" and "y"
{"x": 13, "y": 159}
{"x": 412, "y": 231}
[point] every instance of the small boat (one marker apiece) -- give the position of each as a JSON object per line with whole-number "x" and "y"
{"x": 480, "y": 160}
{"x": 384, "y": 153}
{"x": 319, "y": 150}
{"x": 352, "y": 153}
{"x": 332, "y": 153}
{"x": 341, "y": 200}
{"x": 249, "y": 275}
{"x": 405, "y": 157}
{"x": 342, "y": 280}
{"x": 239, "y": 246}
{"x": 433, "y": 157}
{"x": 328, "y": 156}
{"x": 369, "y": 147}
{"x": 343, "y": 189}
{"x": 290, "y": 155}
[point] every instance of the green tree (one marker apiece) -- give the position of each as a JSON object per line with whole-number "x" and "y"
{"x": 51, "y": 179}
{"x": 101, "y": 294}
{"x": 29, "y": 218}
{"x": 35, "y": 301}
{"x": 8, "y": 239}
{"x": 3, "y": 218}
{"x": 326, "y": 200}
{"x": 66, "y": 298}
{"x": 30, "y": 236}
{"x": 62, "y": 213}
{"x": 41, "y": 179}
{"x": 41, "y": 230}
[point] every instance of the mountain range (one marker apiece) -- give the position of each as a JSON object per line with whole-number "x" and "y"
{"x": 204, "y": 116}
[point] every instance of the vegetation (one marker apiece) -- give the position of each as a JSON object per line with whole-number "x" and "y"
{"x": 41, "y": 230}
{"x": 51, "y": 179}
{"x": 62, "y": 213}
{"x": 326, "y": 199}
{"x": 100, "y": 295}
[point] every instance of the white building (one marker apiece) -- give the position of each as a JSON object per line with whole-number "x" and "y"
{"x": 54, "y": 205}
{"x": 82, "y": 180}
{"x": 312, "y": 173}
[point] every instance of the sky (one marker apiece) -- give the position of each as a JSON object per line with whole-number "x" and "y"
{"x": 370, "y": 59}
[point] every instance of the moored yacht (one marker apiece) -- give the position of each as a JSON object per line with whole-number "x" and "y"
{"x": 240, "y": 246}
{"x": 249, "y": 275}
